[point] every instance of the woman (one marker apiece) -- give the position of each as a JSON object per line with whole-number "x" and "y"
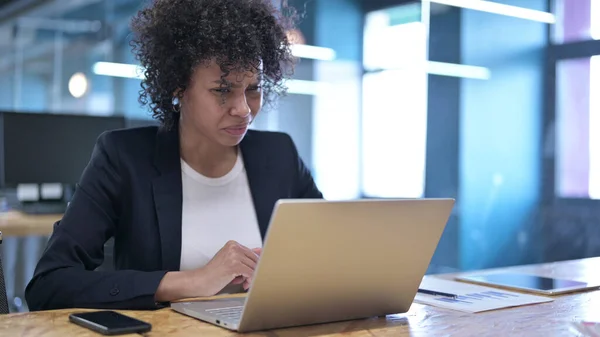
{"x": 187, "y": 203}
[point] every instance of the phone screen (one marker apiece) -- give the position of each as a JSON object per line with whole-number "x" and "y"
{"x": 527, "y": 281}
{"x": 111, "y": 320}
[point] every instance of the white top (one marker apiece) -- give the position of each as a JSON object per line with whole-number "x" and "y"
{"x": 215, "y": 210}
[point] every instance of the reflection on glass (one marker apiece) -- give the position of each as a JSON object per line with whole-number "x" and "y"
{"x": 394, "y": 38}
{"x": 576, "y": 20}
{"x": 394, "y": 129}
{"x": 578, "y": 128}
{"x": 394, "y": 120}
{"x": 594, "y": 128}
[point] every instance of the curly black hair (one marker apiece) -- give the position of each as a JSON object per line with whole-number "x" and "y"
{"x": 172, "y": 37}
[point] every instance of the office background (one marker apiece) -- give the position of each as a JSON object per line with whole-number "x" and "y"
{"x": 391, "y": 99}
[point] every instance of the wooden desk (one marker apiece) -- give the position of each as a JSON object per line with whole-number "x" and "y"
{"x": 548, "y": 319}
{"x": 15, "y": 223}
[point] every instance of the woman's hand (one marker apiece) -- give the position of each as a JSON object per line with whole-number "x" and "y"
{"x": 233, "y": 263}
{"x": 246, "y": 281}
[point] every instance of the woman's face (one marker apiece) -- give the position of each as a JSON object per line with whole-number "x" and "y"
{"x": 220, "y": 109}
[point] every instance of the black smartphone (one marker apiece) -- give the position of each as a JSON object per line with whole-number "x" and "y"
{"x": 109, "y": 322}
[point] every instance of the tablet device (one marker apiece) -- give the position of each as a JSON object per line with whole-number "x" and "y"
{"x": 529, "y": 283}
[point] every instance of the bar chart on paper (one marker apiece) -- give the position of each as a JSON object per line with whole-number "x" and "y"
{"x": 472, "y": 298}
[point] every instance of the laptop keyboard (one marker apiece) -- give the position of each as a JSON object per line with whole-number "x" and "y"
{"x": 231, "y": 313}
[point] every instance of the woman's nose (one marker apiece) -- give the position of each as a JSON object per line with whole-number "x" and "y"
{"x": 240, "y": 107}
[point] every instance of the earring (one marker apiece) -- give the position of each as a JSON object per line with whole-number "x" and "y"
{"x": 175, "y": 103}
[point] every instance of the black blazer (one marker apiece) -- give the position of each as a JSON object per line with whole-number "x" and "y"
{"x": 131, "y": 190}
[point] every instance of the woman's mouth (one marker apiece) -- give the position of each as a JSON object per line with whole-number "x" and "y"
{"x": 237, "y": 130}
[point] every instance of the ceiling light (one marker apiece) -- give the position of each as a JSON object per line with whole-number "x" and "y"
{"x": 502, "y": 9}
{"x": 78, "y": 85}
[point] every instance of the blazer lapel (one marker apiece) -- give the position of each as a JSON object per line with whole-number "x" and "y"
{"x": 167, "y": 190}
{"x": 256, "y": 162}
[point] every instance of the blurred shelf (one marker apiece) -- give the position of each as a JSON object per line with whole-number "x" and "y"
{"x": 14, "y": 223}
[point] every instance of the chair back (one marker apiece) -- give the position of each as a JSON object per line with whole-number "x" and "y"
{"x": 3, "y": 299}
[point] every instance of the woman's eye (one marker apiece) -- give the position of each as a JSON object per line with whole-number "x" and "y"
{"x": 254, "y": 88}
{"x": 222, "y": 90}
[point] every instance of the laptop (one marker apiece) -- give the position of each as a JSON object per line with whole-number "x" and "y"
{"x": 328, "y": 261}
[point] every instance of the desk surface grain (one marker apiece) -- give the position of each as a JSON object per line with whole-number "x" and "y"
{"x": 548, "y": 319}
{"x": 15, "y": 223}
